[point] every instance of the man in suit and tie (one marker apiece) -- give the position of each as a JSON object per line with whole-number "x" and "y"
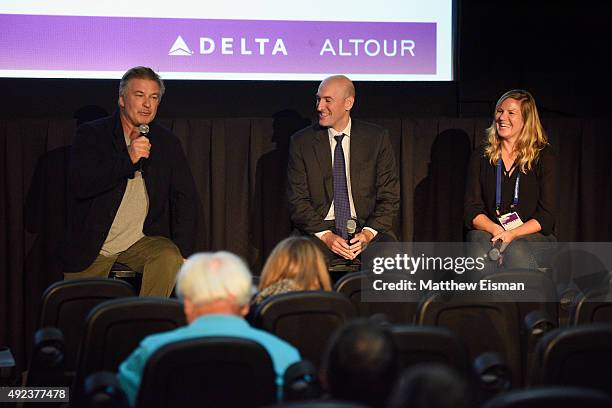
{"x": 339, "y": 169}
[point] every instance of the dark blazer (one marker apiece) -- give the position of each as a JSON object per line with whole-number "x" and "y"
{"x": 374, "y": 180}
{"x": 99, "y": 169}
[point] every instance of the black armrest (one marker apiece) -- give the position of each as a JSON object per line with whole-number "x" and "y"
{"x": 7, "y": 367}
{"x": 102, "y": 390}
{"x": 301, "y": 382}
{"x": 537, "y": 323}
{"x": 493, "y": 372}
{"x": 47, "y": 362}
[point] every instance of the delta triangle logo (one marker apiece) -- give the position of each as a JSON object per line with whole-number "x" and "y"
{"x": 180, "y": 48}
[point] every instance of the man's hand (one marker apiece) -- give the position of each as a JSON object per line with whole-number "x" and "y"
{"x": 139, "y": 148}
{"x": 337, "y": 245}
{"x": 360, "y": 242}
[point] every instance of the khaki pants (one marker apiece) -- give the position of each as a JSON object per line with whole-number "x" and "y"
{"x": 157, "y": 258}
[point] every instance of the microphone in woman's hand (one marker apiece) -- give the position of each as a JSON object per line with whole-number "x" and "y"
{"x": 495, "y": 252}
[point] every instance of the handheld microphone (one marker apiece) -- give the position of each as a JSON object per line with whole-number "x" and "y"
{"x": 351, "y": 227}
{"x": 495, "y": 253}
{"x": 144, "y": 131}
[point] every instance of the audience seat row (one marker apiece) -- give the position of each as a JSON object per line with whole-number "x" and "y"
{"x": 105, "y": 332}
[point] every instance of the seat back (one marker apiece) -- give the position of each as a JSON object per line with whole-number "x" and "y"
{"x": 425, "y": 344}
{"x": 483, "y": 325}
{"x": 558, "y": 397}
{"x": 305, "y": 319}
{"x": 579, "y": 356}
{"x": 540, "y": 291}
{"x": 357, "y": 287}
{"x": 593, "y": 307}
{"x": 208, "y": 371}
{"x": 65, "y": 305}
{"x": 114, "y": 329}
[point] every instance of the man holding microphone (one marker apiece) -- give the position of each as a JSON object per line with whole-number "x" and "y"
{"x": 133, "y": 195}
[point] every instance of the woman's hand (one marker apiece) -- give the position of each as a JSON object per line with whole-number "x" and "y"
{"x": 506, "y": 237}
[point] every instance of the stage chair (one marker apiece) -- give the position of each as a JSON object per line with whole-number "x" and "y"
{"x": 305, "y": 319}
{"x": 125, "y": 273}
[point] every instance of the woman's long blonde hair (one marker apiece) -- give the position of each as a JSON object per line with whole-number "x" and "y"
{"x": 299, "y": 259}
{"x": 532, "y": 138}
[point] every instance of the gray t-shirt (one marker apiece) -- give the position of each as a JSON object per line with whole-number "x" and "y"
{"x": 130, "y": 217}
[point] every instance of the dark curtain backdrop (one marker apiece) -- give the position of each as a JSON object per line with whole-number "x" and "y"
{"x": 239, "y": 168}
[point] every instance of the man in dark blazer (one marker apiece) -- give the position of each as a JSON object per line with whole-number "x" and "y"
{"x": 370, "y": 171}
{"x": 133, "y": 195}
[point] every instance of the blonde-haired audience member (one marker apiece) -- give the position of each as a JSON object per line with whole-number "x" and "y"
{"x": 295, "y": 264}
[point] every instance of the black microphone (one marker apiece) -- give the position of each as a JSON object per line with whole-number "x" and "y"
{"x": 144, "y": 131}
{"x": 495, "y": 253}
{"x": 351, "y": 227}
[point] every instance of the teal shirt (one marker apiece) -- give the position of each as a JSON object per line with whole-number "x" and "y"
{"x": 282, "y": 353}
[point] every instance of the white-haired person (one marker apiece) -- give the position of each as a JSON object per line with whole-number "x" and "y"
{"x": 216, "y": 289}
{"x": 511, "y": 188}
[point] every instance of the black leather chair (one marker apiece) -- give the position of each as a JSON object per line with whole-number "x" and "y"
{"x": 578, "y": 356}
{"x": 357, "y": 287}
{"x": 65, "y": 305}
{"x": 484, "y": 325}
{"x": 114, "y": 329}
{"x": 305, "y": 319}
{"x": 558, "y": 397}
{"x": 424, "y": 344}
{"x": 209, "y": 371}
{"x": 593, "y": 307}
{"x": 540, "y": 291}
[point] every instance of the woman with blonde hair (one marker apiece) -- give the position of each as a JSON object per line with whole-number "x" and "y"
{"x": 295, "y": 264}
{"x": 511, "y": 186}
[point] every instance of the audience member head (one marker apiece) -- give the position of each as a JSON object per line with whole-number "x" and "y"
{"x": 335, "y": 99}
{"x": 516, "y": 118}
{"x": 430, "y": 386}
{"x": 298, "y": 259}
{"x": 214, "y": 283}
{"x": 361, "y": 363}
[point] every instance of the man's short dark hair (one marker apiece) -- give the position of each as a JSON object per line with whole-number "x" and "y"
{"x": 431, "y": 386}
{"x": 361, "y": 363}
{"x": 141, "y": 73}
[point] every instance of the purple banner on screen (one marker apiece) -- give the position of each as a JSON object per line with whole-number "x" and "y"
{"x": 30, "y": 42}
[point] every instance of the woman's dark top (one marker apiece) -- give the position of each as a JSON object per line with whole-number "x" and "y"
{"x": 537, "y": 190}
